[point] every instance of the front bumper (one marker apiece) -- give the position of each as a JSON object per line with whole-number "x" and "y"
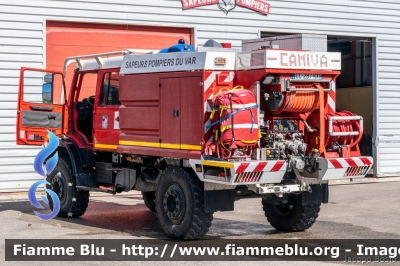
{"x": 273, "y": 171}
{"x": 240, "y": 173}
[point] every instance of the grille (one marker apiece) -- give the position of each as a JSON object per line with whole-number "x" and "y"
{"x": 248, "y": 177}
{"x": 356, "y": 171}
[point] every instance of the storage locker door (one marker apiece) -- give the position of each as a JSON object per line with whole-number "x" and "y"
{"x": 170, "y": 113}
{"x": 191, "y": 113}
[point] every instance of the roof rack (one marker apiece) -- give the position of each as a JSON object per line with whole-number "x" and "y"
{"x": 99, "y": 58}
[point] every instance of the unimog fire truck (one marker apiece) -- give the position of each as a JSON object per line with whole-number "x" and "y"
{"x": 195, "y": 130}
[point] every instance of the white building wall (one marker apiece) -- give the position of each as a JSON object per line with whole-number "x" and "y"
{"x": 22, "y": 42}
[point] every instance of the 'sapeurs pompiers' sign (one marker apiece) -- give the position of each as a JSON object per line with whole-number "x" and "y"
{"x": 228, "y": 5}
{"x": 162, "y": 62}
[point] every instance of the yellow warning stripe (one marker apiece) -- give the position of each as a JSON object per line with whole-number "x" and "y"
{"x": 161, "y": 145}
{"x": 140, "y": 143}
{"x": 105, "y": 146}
{"x": 170, "y": 146}
{"x": 218, "y": 164}
{"x": 190, "y": 147}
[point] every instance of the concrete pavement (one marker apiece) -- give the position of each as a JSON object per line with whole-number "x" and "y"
{"x": 367, "y": 210}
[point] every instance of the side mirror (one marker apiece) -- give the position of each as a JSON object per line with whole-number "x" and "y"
{"x": 48, "y": 78}
{"x": 47, "y": 89}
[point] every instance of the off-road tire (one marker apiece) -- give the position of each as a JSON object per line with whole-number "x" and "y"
{"x": 294, "y": 219}
{"x": 73, "y": 203}
{"x": 189, "y": 220}
{"x": 149, "y": 200}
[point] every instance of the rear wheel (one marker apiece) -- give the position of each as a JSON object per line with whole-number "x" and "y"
{"x": 149, "y": 200}
{"x": 291, "y": 216}
{"x": 73, "y": 203}
{"x": 180, "y": 205}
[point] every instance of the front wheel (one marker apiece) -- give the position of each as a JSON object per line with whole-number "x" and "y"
{"x": 73, "y": 203}
{"x": 180, "y": 205}
{"x": 291, "y": 216}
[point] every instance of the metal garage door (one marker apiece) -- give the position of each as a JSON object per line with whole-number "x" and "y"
{"x": 65, "y": 39}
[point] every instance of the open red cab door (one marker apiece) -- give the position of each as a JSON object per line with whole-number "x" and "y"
{"x": 41, "y": 106}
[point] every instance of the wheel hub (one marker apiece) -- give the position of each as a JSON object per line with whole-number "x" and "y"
{"x": 283, "y": 210}
{"x": 58, "y": 185}
{"x": 174, "y": 203}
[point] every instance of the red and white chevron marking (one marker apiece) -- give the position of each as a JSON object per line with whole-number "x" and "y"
{"x": 264, "y": 166}
{"x": 209, "y": 84}
{"x": 332, "y": 100}
{"x": 349, "y": 162}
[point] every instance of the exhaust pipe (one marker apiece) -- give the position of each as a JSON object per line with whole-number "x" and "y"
{"x": 118, "y": 188}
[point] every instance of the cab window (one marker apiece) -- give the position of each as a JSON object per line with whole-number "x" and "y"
{"x": 109, "y": 89}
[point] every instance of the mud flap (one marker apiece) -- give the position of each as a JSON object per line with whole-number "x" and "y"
{"x": 319, "y": 194}
{"x": 218, "y": 200}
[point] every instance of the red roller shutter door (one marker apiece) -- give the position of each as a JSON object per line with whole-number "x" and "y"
{"x": 65, "y": 39}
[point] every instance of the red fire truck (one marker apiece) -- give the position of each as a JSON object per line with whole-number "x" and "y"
{"x": 193, "y": 130}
